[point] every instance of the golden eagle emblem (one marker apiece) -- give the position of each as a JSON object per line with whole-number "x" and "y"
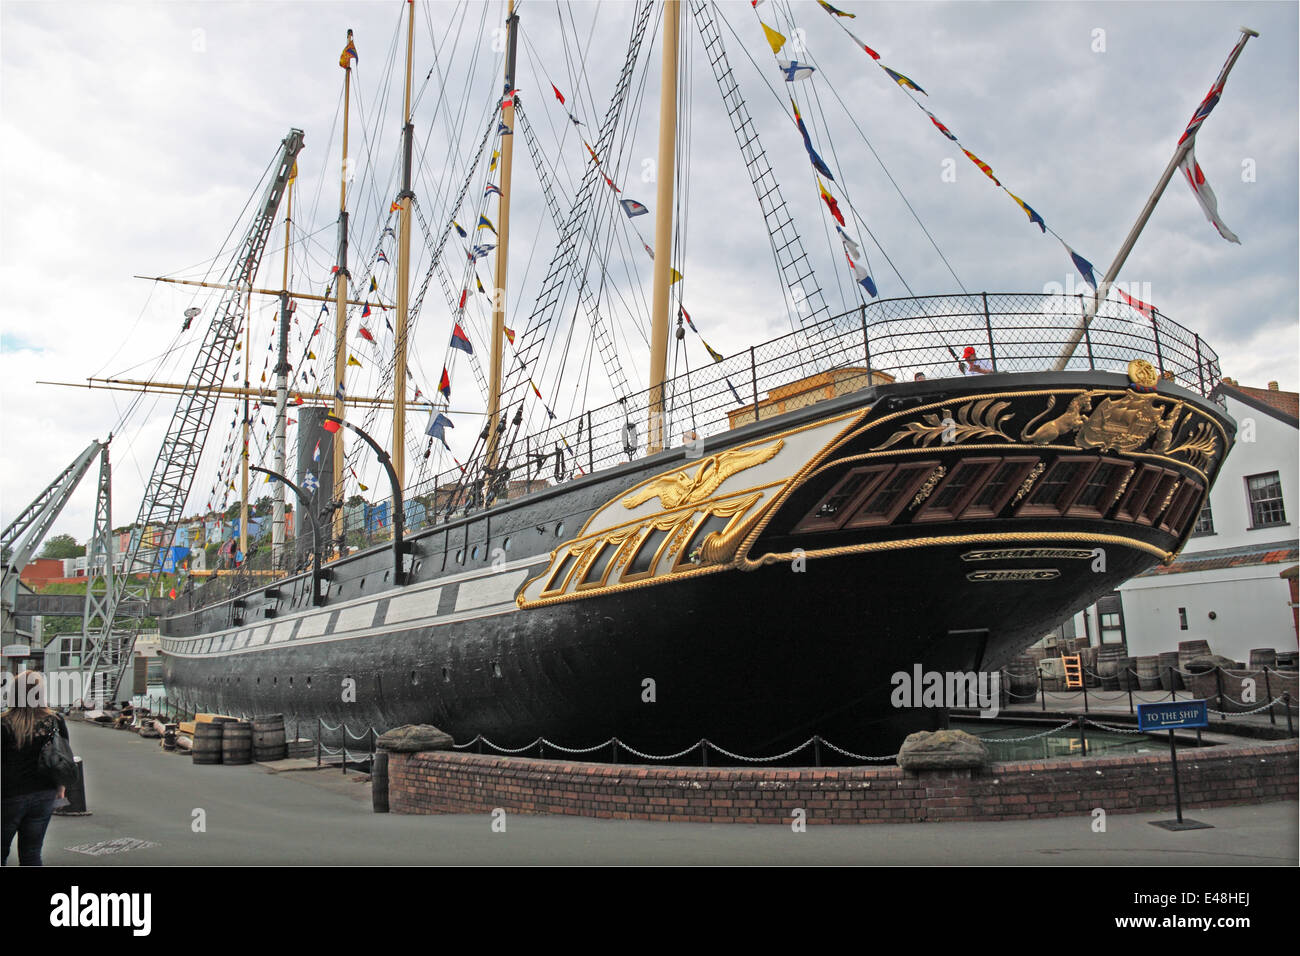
{"x": 679, "y": 488}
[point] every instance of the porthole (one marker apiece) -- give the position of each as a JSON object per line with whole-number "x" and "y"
{"x": 418, "y": 565}
{"x": 496, "y": 669}
{"x": 505, "y": 545}
{"x": 414, "y": 678}
{"x": 308, "y": 681}
{"x": 474, "y": 553}
{"x": 386, "y": 573}
{"x": 460, "y": 557}
{"x": 362, "y": 585}
{"x": 559, "y": 529}
{"x": 446, "y": 675}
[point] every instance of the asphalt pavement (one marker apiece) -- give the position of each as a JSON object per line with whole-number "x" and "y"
{"x": 151, "y": 808}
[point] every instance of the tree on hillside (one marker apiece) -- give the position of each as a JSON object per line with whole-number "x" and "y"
{"x": 62, "y": 546}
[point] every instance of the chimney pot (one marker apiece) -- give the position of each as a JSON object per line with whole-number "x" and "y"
{"x": 1272, "y": 386}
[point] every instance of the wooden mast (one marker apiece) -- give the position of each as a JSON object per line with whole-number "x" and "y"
{"x": 341, "y": 299}
{"x": 398, "y": 451}
{"x": 503, "y": 247}
{"x": 243, "y": 456}
{"x": 663, "y": 226}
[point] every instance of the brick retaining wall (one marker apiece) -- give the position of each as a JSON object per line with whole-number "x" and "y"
{"x": 447, "y": 782}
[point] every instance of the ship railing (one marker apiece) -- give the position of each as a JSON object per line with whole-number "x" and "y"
{"x": 890, "y": 340}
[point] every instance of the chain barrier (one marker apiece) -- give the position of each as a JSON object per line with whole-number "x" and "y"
{"x": 1020, "y": 740}
{"x": 788, "y": 753}
{"x": 853, "y": 756}
{"x": 1245, "y": 713}
{"x": 1112, "y": 729}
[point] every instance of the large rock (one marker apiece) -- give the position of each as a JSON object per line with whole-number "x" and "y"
{"x": 413, "y": 738}
{"x": 942, "y": 750}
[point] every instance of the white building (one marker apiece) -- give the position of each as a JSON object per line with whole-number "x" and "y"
{"x": 1226, "y": 586}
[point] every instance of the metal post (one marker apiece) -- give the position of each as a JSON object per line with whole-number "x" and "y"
{"x": 1087, "y": 338}
{"x": 1272, "y": 718}
{"x": 1042, "y": 692}
{"x": 753, "y": 380}
{"x": 817, "y": 751}
{"x": 1200, "y": 368}
{"x": 1083, "y": 679}
{"x": 343, "y": 745}
{"x": 613, "y": 750}
{"x": 866, "y": 342}
{"x": 318, "y": 735}
{"x": 1173, "y": 760}
{"x": 1155, "y": 334}
{"x": 704, "y": 752}
{"x": 1286, "y": 701}
{"x": 1083, "y": 737}
{"x": 1218, "y": 690}
{"x": 591, "y": 467}
{"x": 988, "y": 330}
{"x": 1173, "y": 688}
{"x": 1129, "y": 680}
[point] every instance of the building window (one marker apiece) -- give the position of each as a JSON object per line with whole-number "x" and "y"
{"x": 1112, "y": 629}
{"x": 1205, "y": 522}
{"x": 1265, "y": 493}
{"x": 1182, "y": 619}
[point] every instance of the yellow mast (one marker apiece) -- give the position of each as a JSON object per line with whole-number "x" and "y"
{"x": 503, "y": 247}
{"x": 142, "y": 386}
{"x": 341, "y": 295}
{"x": 398, "y": 451}
{"x": 243, "y": 457}
{"x": 663, "y": 226}
{"x": 224, "y": 285}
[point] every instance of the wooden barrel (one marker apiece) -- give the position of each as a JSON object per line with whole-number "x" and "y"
{"x": 1022, "y": 679}
{"x": 237, "y": 742}
{"x": 207, "y": 743}
{"x": 1124, "y": 675}
{"x": 1261, "y": 657}
{"x": 1188, "y": 651}
{"x": 1148, "y": 672}
{"x": 379, "y": 782}
{"x": 268, "y": 738}
{"x": 1108, "y": 657}
{"x": 1169, "y": 679}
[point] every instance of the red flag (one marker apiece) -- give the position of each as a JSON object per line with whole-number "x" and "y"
{"x": 463, "y": 294}
{"x": 331, "y": 424}
{"x": 365, "y": 334}
{"x": 831, "y": 204}
{"x": 444, "y": 384}
{"x": 558, "y": 95}
{"x": 1138, "y": 304}
{"x": 510, "y": 334}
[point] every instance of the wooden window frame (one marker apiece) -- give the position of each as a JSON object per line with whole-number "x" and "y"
{"x": 1130, "y": 507}
{"x": 1124, "y": 470}
{"x": 929, "y": 511}
{"x": 813, "y": 523}
{"x": 1026, "y": 465}
{"x": 923, "y": 470}
{"x": 1028, "y": 508}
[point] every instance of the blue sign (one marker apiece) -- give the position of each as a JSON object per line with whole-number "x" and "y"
{"x": 1172, "y": 715}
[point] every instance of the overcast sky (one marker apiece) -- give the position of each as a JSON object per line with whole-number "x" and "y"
{"x": 134, "y": 134}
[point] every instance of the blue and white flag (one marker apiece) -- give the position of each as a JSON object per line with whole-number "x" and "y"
{"x": 794, "y": 70}
{"x": 437, "y": 428}
{"x": 632, "y": 208}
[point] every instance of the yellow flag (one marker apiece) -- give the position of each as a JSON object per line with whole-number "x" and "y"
{"x": 776, "y": 40}
{"x": 311, "y": 355}
{"x": 496, "y": 154}
{"x": 675, "y": 276}
{"x": 352, "y": 360}
{"x": 362, "y": 487}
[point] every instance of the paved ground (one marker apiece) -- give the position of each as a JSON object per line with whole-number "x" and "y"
{"x": 136, "y": 792}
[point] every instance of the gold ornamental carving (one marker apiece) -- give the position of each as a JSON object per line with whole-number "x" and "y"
{"x": 1014, "y": 574}
{"x": 1028, "y": 482}
{"x": 1143, "y": 374}
{"x": 1076, "y": 414}
{"x": 679, "y": 489}
{"x": 1127, "y": 423}
{"x": 983, "y": 418}
{"x": 928, "y": 487}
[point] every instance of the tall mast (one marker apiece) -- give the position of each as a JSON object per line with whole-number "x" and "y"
{"x": 282, "y": 390}
{"x": 398, "y": 451}
{"x": 1184, "y": 147}
{"x": 243, "y": 456}
{"x": 663, "y": 225}
{"x": 341, "y": 297}
{"x": 503, "y": 245}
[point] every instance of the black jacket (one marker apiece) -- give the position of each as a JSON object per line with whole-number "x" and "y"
{"x": 21, "y": 766}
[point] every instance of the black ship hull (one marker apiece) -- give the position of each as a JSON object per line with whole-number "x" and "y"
{"x": 758, "y": 595}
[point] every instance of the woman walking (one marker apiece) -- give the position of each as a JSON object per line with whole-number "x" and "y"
{"x": 28, "y": 792}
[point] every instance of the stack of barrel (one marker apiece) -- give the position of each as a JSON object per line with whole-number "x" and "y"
{"x": 236, "y": 742}
{"x": 1022, "y": 680}
{"x": 1109, "y": 658}
{"x": 1148, "y": 672}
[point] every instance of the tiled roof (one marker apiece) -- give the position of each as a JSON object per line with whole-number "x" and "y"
{"x": 1288, "y": 403}
{"x": 1227, "y": 558}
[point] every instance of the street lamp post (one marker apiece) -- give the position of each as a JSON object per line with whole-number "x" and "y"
{"x": 304, "y": 501}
